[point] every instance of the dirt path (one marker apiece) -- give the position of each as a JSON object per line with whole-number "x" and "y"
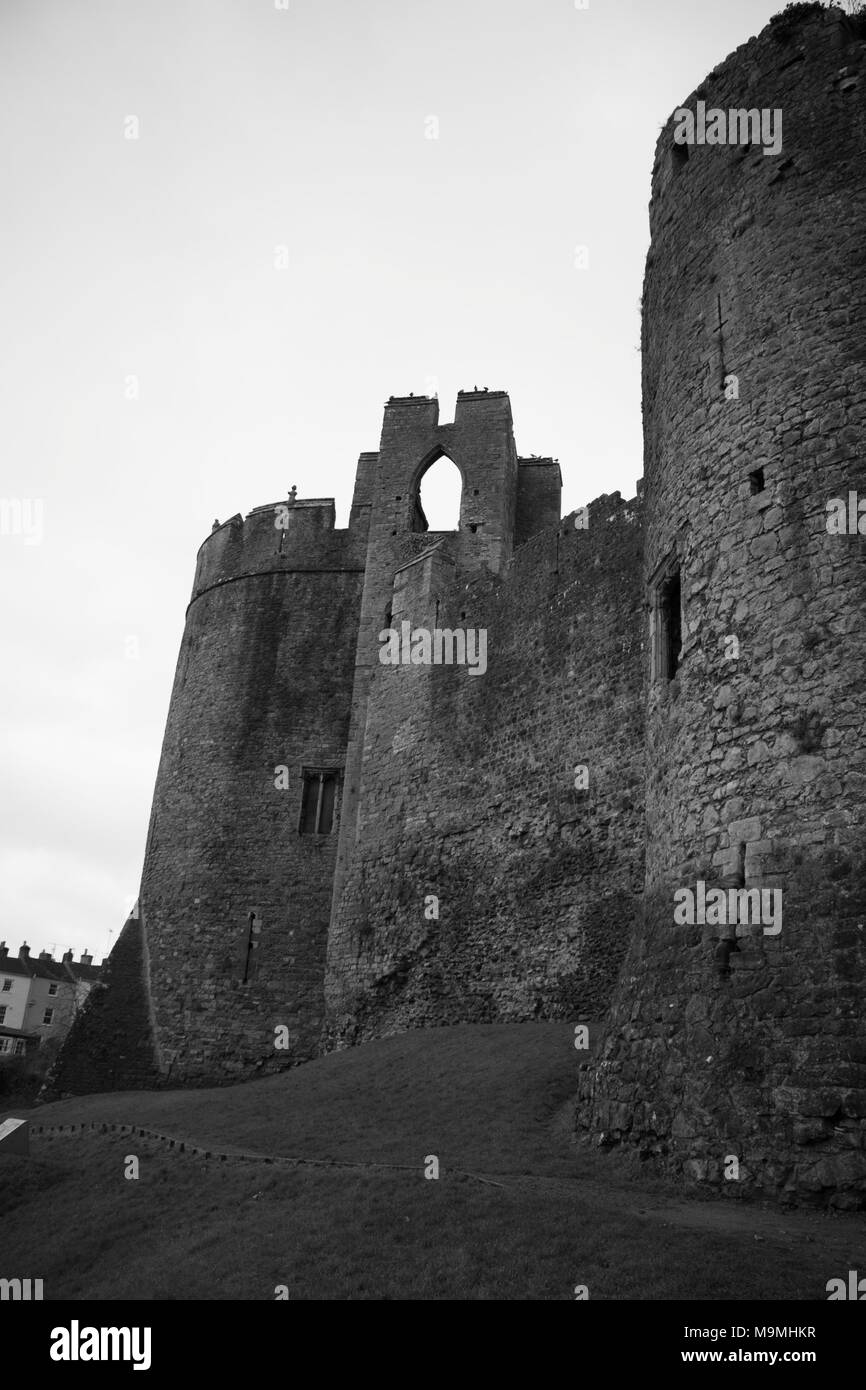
{"x": 844, "y": 1232}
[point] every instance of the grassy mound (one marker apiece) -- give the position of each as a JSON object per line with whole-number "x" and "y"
{"x": 517, "y": 1212}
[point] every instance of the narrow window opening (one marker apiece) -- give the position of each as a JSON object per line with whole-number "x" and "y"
{"x": 254, "y": 928}
{"x": 673, "y": 600}
{"x": 679, "y": 157}
{"x": 756, "y": 481}
{"x": 318, "y": 801}
{"x": 666, "y": 619}
{"x": 672, "y": 625}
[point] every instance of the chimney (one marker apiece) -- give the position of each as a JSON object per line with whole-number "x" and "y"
{"x": 24, "y": 952}
{"x": 86, "y": 958}
{"x": 67, "y": 957}
{"x": 45, "y": 955}
{"x": 4, "y": 950}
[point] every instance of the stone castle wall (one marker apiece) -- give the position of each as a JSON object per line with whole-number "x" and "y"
{"x": 468, "y": 794}
{"x": 480, "y": 443}
{"x": 734, "y": 1042}
{"x": 458, "y": 786}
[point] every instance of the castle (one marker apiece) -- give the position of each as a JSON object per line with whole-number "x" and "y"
{"x": 673, "y": 700}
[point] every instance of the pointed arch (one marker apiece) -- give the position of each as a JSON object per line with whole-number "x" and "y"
{"x": 437, "y": 493}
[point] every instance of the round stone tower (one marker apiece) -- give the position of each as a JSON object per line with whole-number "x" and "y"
{"x": 736, "y": 1048}
{"x": 236, "y": 890}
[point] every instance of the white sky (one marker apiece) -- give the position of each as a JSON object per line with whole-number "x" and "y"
{"x": 410, "y": 260}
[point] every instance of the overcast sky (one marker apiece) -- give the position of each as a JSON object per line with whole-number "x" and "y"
{"x": 197, "y": 318}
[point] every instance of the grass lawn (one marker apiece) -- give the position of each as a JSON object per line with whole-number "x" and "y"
{"x": 491, "y": 1101}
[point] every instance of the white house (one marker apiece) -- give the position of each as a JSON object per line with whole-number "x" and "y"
{"x": 40, "y": 998}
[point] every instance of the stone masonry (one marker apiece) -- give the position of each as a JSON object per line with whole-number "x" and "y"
{"x": 674, "y": 697}
{"x": 731, "y": 1042}
{"x": 254, "y": 934}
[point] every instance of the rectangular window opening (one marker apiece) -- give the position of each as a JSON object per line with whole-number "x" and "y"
{"x": 667, "y": 623}
{"x": 318, "y": 801}
{"x": 254, "y": 931}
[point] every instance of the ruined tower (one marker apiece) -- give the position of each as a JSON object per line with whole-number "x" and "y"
{"x": 481, "y": 444}
{"x": 236, "y": 888}
{"x": 476, "y": 881}
{"x": 740, "y": 1041}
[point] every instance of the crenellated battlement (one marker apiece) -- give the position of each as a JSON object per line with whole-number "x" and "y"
{"x": 280, "y": 537}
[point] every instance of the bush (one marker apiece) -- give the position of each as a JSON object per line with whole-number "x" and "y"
{"x": 787, "y": 21}
{"x": 22, "y": 1077}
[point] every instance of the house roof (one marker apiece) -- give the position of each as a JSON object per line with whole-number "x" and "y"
{"x": 12, "y": 965}
{"x": 65, "y": 972}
